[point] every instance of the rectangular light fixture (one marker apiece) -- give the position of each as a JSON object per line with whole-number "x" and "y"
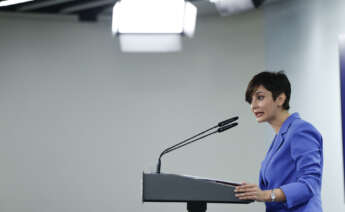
{"x": 230, "y": 7}
{"x": 12, "y": 2}
{"x": 154, "y": 16}
{"x": 153, "y": 25}
{"x": 150, "y": 43}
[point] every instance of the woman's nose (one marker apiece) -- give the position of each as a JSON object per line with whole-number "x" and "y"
{"x": 253, "y": 105}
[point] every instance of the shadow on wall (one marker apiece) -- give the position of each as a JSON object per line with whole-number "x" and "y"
{"x": 342, "y": 81}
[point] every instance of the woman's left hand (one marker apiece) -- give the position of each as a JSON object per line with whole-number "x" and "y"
{"x": 247, "y": 191}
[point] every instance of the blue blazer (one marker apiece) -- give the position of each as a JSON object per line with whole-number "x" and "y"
{"x": 294, "y": 164}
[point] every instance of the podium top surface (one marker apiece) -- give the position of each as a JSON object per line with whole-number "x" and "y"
{"x": 179, "y": 188}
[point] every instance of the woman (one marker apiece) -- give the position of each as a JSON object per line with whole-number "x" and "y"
{"x": 290, "y": 175}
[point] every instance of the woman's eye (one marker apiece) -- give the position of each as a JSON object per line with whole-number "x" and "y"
{"x": 260, "y": 97}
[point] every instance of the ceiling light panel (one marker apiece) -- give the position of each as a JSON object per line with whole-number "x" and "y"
{"x": 149, "y": 16}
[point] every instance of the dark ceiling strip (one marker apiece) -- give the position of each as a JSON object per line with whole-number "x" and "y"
{"x": 87, "y": 6}
{"x": 90, "y": 15}
{"x": 44, "y": 4}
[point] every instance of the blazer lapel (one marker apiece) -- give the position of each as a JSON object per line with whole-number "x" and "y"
{"x": 280, "y": 141}
{"x": 284, "y": 130}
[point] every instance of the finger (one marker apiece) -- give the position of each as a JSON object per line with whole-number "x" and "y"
{"x": 247, "y": 186}
{"x": 248, "y": 198}
{"x": 246, "y": 190}
{"x": 246, "y": 194}
{"x": 243, "y": 183}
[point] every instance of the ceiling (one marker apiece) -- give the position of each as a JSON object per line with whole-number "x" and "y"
{"x": 86, "y": 10}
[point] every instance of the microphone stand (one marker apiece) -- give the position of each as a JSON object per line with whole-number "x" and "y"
{"x": 222, "y": 126}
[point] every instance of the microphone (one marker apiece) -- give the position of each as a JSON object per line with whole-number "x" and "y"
{"x": 219, "y": 130}
{"x": 222, "y": 126}
{"x": 228, "y": 121}
{"x": 222, "y": 129}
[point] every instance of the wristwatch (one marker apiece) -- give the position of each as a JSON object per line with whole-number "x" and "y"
{"x": 273, "y": 196}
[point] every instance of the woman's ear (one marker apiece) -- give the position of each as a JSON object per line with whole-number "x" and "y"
{"x": 281, "y": 99}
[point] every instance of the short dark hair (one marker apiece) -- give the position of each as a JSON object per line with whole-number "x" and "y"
{"x": 276, "y": 82}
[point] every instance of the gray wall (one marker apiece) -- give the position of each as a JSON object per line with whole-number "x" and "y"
{"x": 80, "y": 121}
{"x": 302, "y": 38}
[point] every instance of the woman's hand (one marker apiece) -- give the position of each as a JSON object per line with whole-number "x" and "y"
{"x": 247, "y": 191}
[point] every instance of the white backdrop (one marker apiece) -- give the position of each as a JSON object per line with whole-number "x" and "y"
{"x": 80, "y": 121}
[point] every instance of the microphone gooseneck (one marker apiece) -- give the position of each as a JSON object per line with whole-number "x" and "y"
{"x": 221, "y": 127}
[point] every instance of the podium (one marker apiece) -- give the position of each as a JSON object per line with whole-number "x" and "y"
{"x": 196, "y": 192}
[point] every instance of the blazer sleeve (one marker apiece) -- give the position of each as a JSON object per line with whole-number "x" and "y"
{"x": 306, "y": 151}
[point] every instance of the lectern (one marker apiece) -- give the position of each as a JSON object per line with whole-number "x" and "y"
{"x": 196, "y": 192}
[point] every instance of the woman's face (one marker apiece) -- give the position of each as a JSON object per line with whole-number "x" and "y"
{"x": 263, "y": 106}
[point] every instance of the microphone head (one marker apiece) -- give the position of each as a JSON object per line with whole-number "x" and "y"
{"x": 222, "y": 129}
{"x": 228, "y": 121}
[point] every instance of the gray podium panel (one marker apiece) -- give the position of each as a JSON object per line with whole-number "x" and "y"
{"x": 178, "y": 188}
